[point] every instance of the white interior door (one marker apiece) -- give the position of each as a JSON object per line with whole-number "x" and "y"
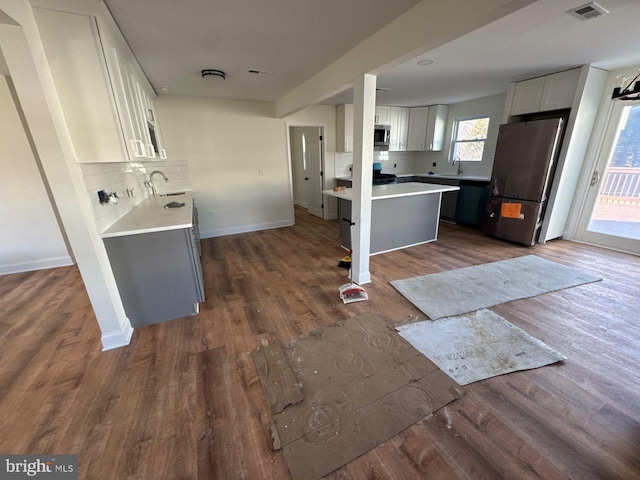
{"x": 611, "y": 215}
{"x": 313, "y": 153}
{"x": 306, "y": 159}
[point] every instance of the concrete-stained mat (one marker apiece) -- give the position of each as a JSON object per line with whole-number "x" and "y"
{"x": 362, "y": 384}
{"x": 478, "y": 345}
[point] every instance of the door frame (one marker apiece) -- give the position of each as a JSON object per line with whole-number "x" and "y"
{"x": 602, "y": 142}
{"x": 323, "y": 132}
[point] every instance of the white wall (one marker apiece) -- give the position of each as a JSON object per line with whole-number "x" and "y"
{"x": 30, "y": 237}
{"x": 238, "y": 157}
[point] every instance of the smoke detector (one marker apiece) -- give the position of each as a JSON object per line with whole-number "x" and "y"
{"x": 588, "y": 11}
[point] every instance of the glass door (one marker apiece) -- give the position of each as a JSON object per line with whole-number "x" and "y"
{"x": 611, "y": 217}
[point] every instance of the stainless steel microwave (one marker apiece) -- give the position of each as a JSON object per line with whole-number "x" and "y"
{"x": 381, "y": 135}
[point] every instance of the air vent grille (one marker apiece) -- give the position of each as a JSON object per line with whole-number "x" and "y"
{"x": 588, "y": 11}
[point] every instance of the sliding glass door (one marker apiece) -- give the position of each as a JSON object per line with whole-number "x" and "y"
{"x": 611, "y": 216}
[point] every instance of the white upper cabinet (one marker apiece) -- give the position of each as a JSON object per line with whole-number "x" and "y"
{"x": 420, "y": 128}
{"x": 399, "y": 121}
{"x": 418, "y": 118}
{"x": 134, "y": 98}
{"x": 73, "y": 51}
{"x": 559, "y": 90}
{"x": 427, "y": 126}
{"x": 344, "y": 128}
{"x": 542, "y": 94}
{"x": 526, "y": 96}
{"x": 436, "y": 126}
{"x": 104, "y": 95}
{"x": 382, "y": 115}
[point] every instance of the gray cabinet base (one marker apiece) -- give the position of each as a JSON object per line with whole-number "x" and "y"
{"x": 396, "y": 223}
{"x": 158, "y": 275}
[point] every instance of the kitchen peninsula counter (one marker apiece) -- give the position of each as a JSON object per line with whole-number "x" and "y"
{"x": 402, "y": 214}
{"x": 150, "y": 216}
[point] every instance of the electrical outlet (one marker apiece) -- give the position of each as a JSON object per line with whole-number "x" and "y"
{"x": 261, "y": 172}
{"x": 395, "y": 165}
{"x": 434, "y": 164}
{"x": 212, "y": 214}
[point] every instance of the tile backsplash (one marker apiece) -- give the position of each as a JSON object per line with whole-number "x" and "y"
{"x": 392, "y": 162}
{"x": 127, "y": 180}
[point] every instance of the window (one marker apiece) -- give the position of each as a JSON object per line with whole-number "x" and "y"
{"x": 468, "y": 138}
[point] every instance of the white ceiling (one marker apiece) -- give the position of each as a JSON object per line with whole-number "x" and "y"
{"x": 294, "y": 39}
{"x": 174, "y": 40}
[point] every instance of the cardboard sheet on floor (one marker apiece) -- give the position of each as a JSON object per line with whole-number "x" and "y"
{"x": 362, "y": 384}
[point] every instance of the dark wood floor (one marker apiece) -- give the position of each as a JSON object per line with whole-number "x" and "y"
{"x": 184, "y": 400}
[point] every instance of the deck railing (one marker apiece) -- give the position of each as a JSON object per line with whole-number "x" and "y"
{"x": 621, "y": 185}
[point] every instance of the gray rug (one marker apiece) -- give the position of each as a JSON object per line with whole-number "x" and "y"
{"x": 468, "y": 289}
{"x": 477, "y": 346}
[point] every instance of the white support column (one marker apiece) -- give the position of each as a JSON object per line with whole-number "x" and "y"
{"x": 45, "y": 125}
{"x": 364, "y": 107}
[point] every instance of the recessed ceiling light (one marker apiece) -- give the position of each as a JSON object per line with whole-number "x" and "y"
{"x": 425, "y": 62}
{"x": 211, "y": 74}
{"x": 163, "y": 89}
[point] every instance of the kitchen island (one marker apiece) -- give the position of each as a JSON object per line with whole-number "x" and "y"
{"x": 402, "y": 214}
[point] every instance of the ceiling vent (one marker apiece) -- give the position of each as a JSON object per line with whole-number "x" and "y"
{"x": 588, "y": 11}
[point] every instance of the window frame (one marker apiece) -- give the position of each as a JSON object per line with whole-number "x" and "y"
{"x": 454, "y": 142}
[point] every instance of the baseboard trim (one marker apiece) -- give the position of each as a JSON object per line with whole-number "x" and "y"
{"x": 221, "y": 232}
{"x": 119, "y": 339}
{"x": 63, "y": 261}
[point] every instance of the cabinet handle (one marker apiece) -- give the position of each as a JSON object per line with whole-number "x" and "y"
{"x": 163, "y": 154}
{"x": 138, "y": 148}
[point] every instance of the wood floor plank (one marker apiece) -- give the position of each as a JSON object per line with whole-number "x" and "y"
{"x": 184, "y": 400}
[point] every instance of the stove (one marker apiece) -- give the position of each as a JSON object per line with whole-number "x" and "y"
{"x": 380, "y": 178}
{"x": 383, "y": 178}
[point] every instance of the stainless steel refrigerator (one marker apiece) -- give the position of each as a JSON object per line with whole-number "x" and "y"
{"x": 523, "y": 168}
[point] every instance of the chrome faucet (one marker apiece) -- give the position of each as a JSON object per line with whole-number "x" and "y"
{"x": 459, "y": 164}
{"x": 150, "y": 182}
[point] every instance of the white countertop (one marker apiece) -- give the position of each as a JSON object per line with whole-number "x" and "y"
{"x": 151, "y": 216}
{"x": 394, "y": 190}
